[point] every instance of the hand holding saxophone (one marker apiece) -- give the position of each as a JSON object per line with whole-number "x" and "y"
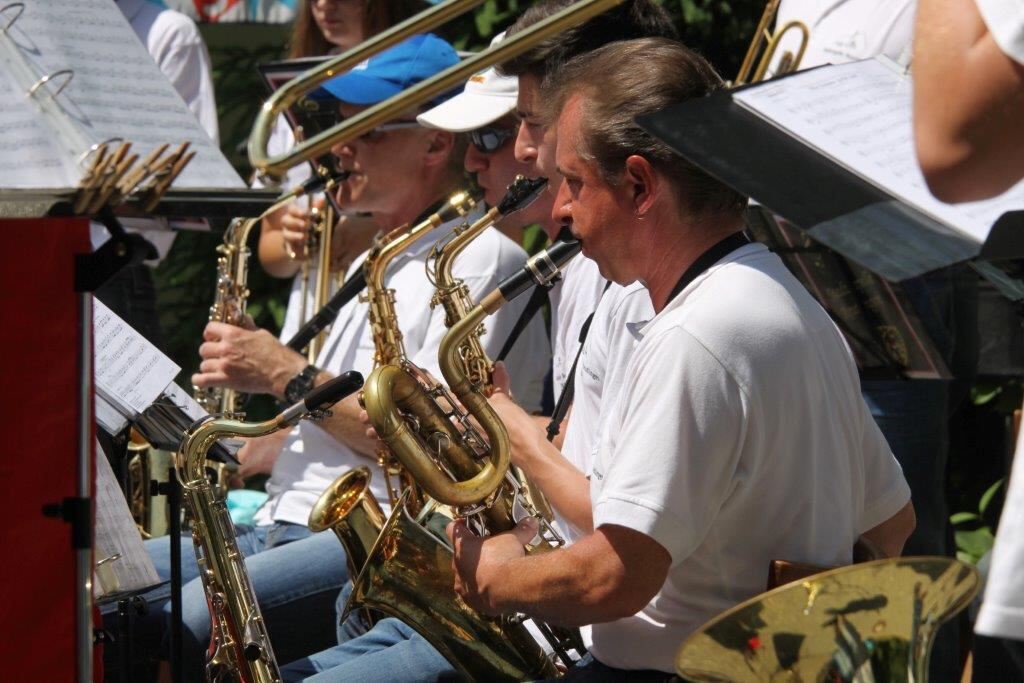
{"x": 480, "y": 562}
{"x": 296, "y": 221}
{"x": 247, "y": 360}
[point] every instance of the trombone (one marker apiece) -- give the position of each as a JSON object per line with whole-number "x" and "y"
{"x": 363, "y": 122}
{"x": 769, "y": 42}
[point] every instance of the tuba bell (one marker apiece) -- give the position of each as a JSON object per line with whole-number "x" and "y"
{"x": 873, "y": 621}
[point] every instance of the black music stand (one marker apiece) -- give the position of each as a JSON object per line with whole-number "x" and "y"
{"x": 828, "y": 202}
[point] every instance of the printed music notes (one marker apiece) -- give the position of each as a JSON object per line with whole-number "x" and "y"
{"x": 85, "y": 106}
{"x": 859, "y": 115}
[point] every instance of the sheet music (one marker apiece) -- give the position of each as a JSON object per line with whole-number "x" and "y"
{"x": 859, "y": 114}
{"x": 28, "y": 155}
{"x": 129, "y": 370}
{"x": 117, "y": 90}
{"x": 116, "y": 534}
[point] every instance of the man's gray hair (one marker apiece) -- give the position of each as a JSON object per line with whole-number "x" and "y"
{"x": 626, "y": 79}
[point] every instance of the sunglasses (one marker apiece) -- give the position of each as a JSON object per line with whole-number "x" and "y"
{"x": 489, "y": 140}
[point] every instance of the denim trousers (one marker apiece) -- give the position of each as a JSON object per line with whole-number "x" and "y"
{"x": 296, "y": 576}
{"x": 390, "y": 651}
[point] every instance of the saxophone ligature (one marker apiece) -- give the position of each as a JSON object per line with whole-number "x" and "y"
{"x": 239, "y": 647}
{"x": 408, "y": 573}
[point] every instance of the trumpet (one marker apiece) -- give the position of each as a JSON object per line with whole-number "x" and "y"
{"x": 769, "y": 42}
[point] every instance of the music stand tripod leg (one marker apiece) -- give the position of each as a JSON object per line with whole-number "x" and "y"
{"x": 174, "y": 505}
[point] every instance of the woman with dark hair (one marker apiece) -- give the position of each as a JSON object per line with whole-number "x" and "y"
{"x": 322, "y": 27}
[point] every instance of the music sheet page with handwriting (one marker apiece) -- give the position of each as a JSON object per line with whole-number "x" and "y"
{"x": 117, "y": 91}
{"x": 859, "y": 115}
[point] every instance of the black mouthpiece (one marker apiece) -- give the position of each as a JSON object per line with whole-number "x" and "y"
{"x": 329, "y": 393}
{"x": 541, "y": 269}
{"x": 520, "y": 194}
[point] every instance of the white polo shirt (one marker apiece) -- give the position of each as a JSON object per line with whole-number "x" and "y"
{"x": 614, "y": 334}
{"x": 1005, "y": 21}
{"x": 1002, "y": 611}
{"x": 844, "y": 31}
{"x": 311, "y": 458}
{"x": 739, "y": 436}
{"x": 572, "y": 299}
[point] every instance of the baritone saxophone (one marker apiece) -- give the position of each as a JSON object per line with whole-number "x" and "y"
{"x": 408, "y": 573}
{"x": 239, "y": 649}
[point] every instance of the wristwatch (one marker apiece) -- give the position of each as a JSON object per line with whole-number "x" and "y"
{"x": 301, "y": 384}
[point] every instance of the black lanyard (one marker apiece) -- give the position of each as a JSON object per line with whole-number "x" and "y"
{"x": 709, "y": 258}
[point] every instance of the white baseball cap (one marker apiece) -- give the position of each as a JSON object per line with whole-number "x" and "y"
{"x": 486, "y": 98}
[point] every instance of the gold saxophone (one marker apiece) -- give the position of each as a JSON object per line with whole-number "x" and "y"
{"x": 408, "y": 573}
{"x": 232, "y": 291}
{"x": 348, "y": 506}
{"x": 387, "y": 336}
{"x": 239, "y": 646}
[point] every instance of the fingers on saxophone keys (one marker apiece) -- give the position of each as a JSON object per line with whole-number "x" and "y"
{"x": 209, "y": 378}
{"x": 211, "y": 350}
{"x": 217, "y": 331}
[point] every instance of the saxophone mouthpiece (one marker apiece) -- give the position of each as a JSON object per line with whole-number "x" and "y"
{"x": 323, "y": 397}
{"x": 541, "y": 269}
{"x": 521, "y": 193}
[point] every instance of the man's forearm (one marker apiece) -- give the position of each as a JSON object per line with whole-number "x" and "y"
{"x": 574, "y": 586}
{"x": 566, "y": 488}
{"x": 343, "y": 423}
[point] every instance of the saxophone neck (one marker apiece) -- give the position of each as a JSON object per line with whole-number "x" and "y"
{"x": 202, "y": 435}
{"x": 463, "y": 235}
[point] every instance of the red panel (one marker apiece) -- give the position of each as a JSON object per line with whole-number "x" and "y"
{"x": 39, "y": 360}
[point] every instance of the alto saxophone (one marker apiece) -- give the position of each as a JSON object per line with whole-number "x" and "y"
{"x": 239, "y": 646}
{"x": 387, "y": 336}
{"x": 408, "y": 573}
{"x": 232, "y": 291}
{"x": 348, "y": 506}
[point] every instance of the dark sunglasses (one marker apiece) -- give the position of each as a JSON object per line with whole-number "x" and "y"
{"x": 489, "y": 140}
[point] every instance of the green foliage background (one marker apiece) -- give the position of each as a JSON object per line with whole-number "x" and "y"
{"x": 719, "y": 29}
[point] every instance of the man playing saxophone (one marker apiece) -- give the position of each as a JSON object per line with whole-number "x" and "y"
{"x": 399, "y": 174}
{"x": 738, "y": 434}
{"x": 503, "y": 145}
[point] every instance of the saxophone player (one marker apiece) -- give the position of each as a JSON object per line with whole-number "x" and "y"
{"x": 399, "y": 172}
{"x": 504, "y": 104}
{"x": 738, "y": 433}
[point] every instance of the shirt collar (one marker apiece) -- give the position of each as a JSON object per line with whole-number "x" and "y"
{"x": 743, "y": 252}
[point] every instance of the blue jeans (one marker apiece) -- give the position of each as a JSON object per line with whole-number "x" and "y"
{"x": 390, "y": 651}
{"x": 295, "y": 574}
{"x": 589, "y": 670}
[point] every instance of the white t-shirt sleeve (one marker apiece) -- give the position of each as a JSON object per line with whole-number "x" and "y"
{"x": 885, "y": 489}
{"x": 1002, "y": 610}
{"x": 678, "y": 446}
{"x": 1005, "y": 21}
{"x": 185, "y": 61}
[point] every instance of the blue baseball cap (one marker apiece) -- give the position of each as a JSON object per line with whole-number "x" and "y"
{"x": 392, "y": 71}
